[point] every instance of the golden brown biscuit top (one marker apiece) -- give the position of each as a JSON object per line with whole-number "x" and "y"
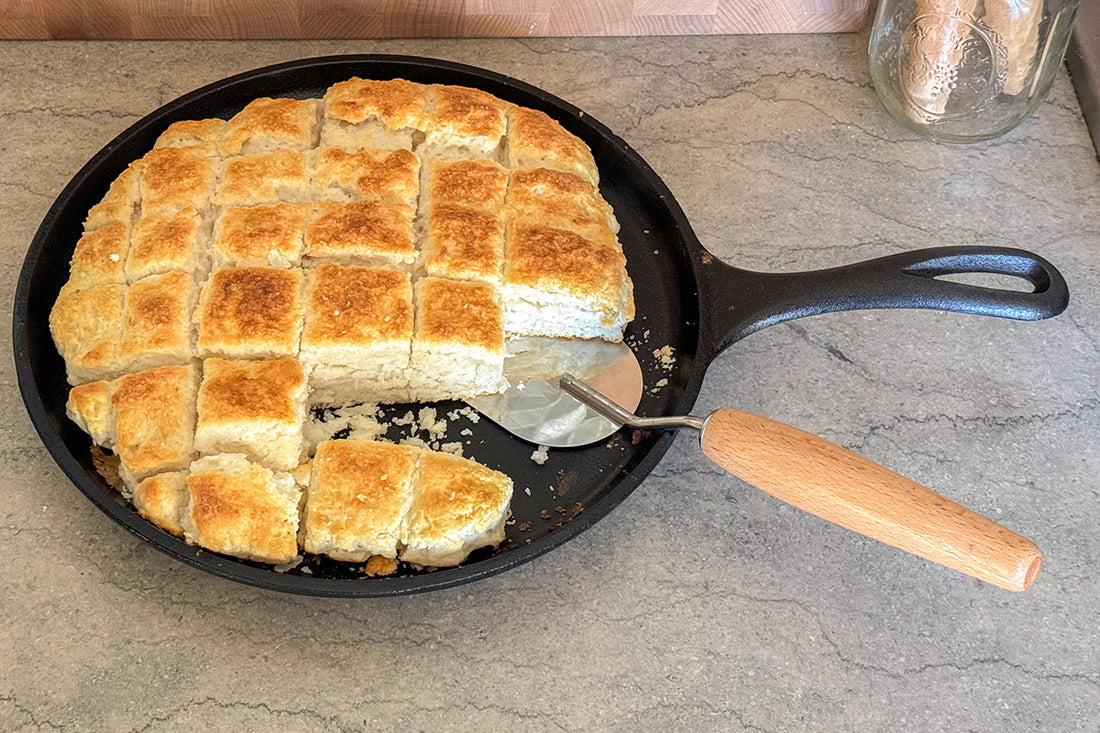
{"x": 479, "y": 184}
{"x": 360, "y": 486}
{"x": 241, "y": 390}
{"x": 147, "y": 392}
{"x": 534, "y": 134}
{"x": 162, "y": 241}
{"x": 100, "y": 255}
{"x": 396, "y": 102}
{"x": 92, "y": 402}
{"x": 374, "y": 174}
{"x": 253, "y": 234}
{"x": 162, "y": 498}
{"x": 157, "y": 313}
{"x": 154, "y": 425}
{"x": 544, "y": 257}
{"x": 87, "y": 326}
{"x": 362, "y": 228}
{"x": 257, "y": 178}
{"x": 557, "y": 198}
{"x": 459, "y": 313}
{"x": 172, "y": 178}
{"x": 357, "y": 305}
{"x": 464, "y": 243}
{"x": 468, "y": 112}
{"x": 286, "y": 121}
{"x": 188, "y": 133}
{"x": 241, "y": 511}
{"x": 118, "y": 203}
{"x": 453, "y": 494}
{"x": 250, "y": 305}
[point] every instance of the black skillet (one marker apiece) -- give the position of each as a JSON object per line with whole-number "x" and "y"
{"x": 686, "y": 299}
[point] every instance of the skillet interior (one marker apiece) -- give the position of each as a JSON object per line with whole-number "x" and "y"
{"x": 587, "y": 482}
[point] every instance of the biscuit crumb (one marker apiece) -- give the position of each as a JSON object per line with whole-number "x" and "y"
{"x": 379, "y": 565}
{"x": 541, "y": 455}
{"x": 664, "y": 357}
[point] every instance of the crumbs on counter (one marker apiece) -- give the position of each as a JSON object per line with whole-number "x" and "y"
{"x": 541, "y": 455}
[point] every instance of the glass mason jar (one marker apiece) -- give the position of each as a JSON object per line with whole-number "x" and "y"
{"x": 967, "y": 70}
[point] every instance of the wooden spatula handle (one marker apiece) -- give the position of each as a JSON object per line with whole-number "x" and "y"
{"x": 835, "y": 484}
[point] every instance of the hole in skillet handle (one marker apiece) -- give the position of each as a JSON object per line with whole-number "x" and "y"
{"x": 991, "y": 281}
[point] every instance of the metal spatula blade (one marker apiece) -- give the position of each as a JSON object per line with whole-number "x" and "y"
{"x": 541, "y": 412}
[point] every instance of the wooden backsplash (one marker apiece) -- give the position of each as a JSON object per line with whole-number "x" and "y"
{"x": 256, "y": 19}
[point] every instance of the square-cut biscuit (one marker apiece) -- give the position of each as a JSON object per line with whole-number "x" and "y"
{"x": 458, "y": 506}
{"x": 463, "y": 244}
{"x": 89, "y": 406}
{"x": 357, "y": 334}
{"x": 458, "y": 344}
{"x": 266, "y": 235}
{"x": 162, "y": 499}
{"x": 374, "y": 175}
{"x": 281, "y": 176}
{"x": 100, "y": 257}
{"x": 465, "y": 123}
{"x": 119, "y": 201}
{"x": 475, "y": 184}
{"x": 155, "y": 421}
{"x": 173, "y": 178}
{"x": 536, "y": 140}
{"x": 250, "y": 312}
{"x": 557, "y": 283}
{"x": 167, "y": 242}
{"x": 366, "y": 113}
{"x": 267, "y": 124}
{"x": 175, "y": 242}
{"x": 156, "y": 321}
{"x": 87, "y": 327}
{"x": 256, "y": 408}
{"x": 560, "y": 199}
{"x": 361, "y": 232}
{"x": 203, "y": 134}
{"x": 359, "y": 493}
{"x": 243, "y": 509}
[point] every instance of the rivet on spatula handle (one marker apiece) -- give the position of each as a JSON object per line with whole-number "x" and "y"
{"x": 822, "y": 478}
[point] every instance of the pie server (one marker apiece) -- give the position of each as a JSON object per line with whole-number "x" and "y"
{"x": 802, "y": 469}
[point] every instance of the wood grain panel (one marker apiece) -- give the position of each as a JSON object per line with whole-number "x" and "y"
{"x": 349, "y": 19}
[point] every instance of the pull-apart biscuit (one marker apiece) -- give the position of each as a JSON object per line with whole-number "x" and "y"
{"x": 381, "y": 115}
{"x": 256, "y": 408}
{"x": 243, "y": 509}
{"x": 458, "y": 506}
{"x": 250, "y": 312}
{"x": 359, "y": 493}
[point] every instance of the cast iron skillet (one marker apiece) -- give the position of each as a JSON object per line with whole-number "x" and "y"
{"x": 686, "y": 299}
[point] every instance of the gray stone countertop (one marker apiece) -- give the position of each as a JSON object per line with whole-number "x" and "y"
{"x": 700, "y": 603}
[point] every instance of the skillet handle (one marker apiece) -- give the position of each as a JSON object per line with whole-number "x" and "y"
{"x": 743, "y": 302}
{"x": 822, "y": 478}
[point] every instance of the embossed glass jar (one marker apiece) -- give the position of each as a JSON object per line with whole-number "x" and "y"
{"x": 967, "y": 70}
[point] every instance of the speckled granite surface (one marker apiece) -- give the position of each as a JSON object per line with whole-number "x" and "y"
{"x": 700, "y": 604}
